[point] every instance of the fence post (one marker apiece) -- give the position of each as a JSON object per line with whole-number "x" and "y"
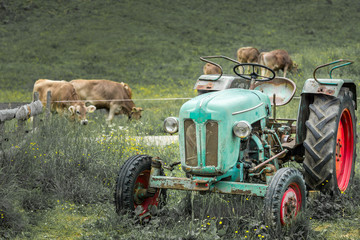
{"x": 2, "y": 131}
{"x": 48, "y": 104}
{"x": 35, "y": 118}
{"x": 2, "y": 134}
{"x": 21, "y": 124}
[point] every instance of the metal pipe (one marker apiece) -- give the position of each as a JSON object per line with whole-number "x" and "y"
{"x": 267, "y": 161}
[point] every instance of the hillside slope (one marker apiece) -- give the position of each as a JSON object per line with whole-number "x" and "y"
{"x": 159, "y": 42}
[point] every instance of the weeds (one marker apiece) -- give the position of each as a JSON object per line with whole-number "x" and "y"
{"x": 77, "y": 166}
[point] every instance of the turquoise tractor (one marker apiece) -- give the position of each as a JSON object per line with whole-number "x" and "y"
{"x": 231, "y": 142}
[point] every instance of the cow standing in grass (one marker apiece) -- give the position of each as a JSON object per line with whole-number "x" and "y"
{"x": 112, "y": 96}
{"x": 64, "y": 99}
{"x": 247, "y": 55}
{"x": 277, "y": 60}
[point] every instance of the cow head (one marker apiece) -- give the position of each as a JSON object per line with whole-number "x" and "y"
{"x": 294, "y": 67}
{"x": 135, "y": 113}
{"x": 78, "y": 112}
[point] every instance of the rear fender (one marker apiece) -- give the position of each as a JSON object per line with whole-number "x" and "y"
{"x": 311, "y": 87}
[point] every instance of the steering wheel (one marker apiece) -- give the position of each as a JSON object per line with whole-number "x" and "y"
{"x": 255, "y": 72}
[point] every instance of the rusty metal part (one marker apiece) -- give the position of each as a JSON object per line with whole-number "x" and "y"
{"x": 270, "y": 170}
{"x": 325, "y": 90}
{"x": 159, "y": 163}
{"x": 290, "y": 208}
{"x": 279, "y": 90}
{"x": 179, "y": 183}
{"x": 275, "y": 136}
{"x": 253, "y": 169}
{"x": 156, "y": 162}
{"x": 348, "y": 62}
{"x": 226, "y": 187}
{"x": 239, "y": 188}
{"x": 208, "y": 86}
{"x": 284, "y": 138}
{"x": 141, "y": 193}
{"x": 267, "y": 171}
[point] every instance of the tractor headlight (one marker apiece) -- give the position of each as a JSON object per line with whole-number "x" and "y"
{"x": 242, "y": 129}
{"x": 171, "y": 125}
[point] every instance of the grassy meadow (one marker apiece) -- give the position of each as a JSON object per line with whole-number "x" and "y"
{"x": 58, "y": 182}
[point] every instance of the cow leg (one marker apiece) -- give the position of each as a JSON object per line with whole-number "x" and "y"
{"x": 111, "y": 113}
{"x": 241, "y": 70}
{"x": 263, "y": 72}
{"x": 285, "y": 70}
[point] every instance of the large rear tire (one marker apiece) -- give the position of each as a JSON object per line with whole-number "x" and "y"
{"x": 133, "y": 179}
{"x": 330, "y": 144}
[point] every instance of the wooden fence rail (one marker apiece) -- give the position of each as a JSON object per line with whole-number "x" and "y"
{"x": 22, "y": 114}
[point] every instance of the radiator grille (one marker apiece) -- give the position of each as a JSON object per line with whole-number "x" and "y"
{"x": 211, "y": 158}
{"x": 190, "y": 143}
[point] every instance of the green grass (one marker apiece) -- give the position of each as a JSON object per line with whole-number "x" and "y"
{"x": 157, "y": 43}
{"x": 51, "y": 189}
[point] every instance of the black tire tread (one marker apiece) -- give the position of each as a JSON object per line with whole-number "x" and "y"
{"x": 320, "y": 139}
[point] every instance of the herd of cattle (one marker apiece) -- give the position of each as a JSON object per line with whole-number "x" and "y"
{"x": 277, "y": 60}
{"x": 71, "y": 98}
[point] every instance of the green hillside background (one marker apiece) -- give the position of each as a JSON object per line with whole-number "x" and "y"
{"x": 59, "y": 183}
{"x": 157, "y": 44}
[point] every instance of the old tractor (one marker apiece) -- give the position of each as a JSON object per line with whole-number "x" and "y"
{"x": 231, "y": 142}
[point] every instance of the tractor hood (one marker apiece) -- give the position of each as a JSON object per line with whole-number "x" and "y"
{"x": 252, "y": 105}
{"x": 207, "y": 143}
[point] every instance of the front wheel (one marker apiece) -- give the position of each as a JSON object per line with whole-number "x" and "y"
{"x": 285, "y": 197}
{"x": 132, "y": 188}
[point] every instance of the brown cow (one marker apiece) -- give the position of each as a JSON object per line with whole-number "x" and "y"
{"x": 211, "y": 69}
{"x": 248, "y": 55}
{"x": 110, "y": 95}
{"x": 65, "y": 93}
{"x": 277, "y": 60}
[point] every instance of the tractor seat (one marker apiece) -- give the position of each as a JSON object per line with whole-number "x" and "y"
{"x": 283, "y": 88}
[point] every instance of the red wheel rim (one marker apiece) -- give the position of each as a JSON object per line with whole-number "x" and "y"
{"x": 290, "y": 203}
{"x": 141, "y": 184}
{"x": 344, "y": 150}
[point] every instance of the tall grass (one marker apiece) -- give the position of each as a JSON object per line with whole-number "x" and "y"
{"x": 64, "y": 168}
{"x": 63, "y": 161}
